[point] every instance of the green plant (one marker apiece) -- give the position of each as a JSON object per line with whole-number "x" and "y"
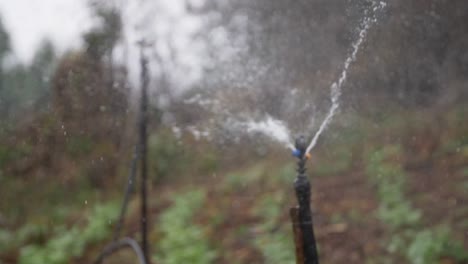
{"x": 465, "y": 171}
{"x": 182, "y": 241}
{"x": 418, "y": 245}
{"x": 390, "y": 179}
{"x": 67, "y": 243}
{"x": 240, "y": 179}
{"x": 6, "y": 239}
{"x": 276, "y": 247}
{"x": 29, "y": 233}
{"x": 428, "y": 246}
{"x": 209, "y": 163}
{"x": 164, "y": 152}
{"x": 100, "y": 222}
{"x": 269, "y": 209}
{"x": 4, "y": 155}
{"x": 8, "y": 154}
{"x": 337, "y": 160}
{"x": 274, "y": 238}
{"x": 399, "y": 215}
{"x": 79, "y": 145}
{"x": 286, "y": 174}
{"x": 234, "y": 181}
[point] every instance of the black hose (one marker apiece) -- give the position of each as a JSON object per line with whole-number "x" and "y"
{"x": 129, "y": 188}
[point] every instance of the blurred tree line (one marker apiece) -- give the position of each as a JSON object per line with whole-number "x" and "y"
{"x": 413, "y": 57}
{"x": 65, "y": 113}
{"x": 24, "y": 87}
{"x": 275, "y": 56}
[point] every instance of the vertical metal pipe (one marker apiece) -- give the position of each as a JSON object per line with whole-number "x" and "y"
{"x": 144, "y": 150}
{"x": 303, "y": 194}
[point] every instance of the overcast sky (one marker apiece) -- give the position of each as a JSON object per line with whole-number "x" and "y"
{"x": 29, "y": 22}
{"x": 63, "y": 22}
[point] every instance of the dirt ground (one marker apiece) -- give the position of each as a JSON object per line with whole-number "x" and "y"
{"x": 345, "y": 222}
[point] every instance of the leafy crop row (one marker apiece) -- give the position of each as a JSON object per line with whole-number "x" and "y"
{"x": 409, "y": 238}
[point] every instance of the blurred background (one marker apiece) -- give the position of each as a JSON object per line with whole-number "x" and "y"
{"x": 389, "y": 175}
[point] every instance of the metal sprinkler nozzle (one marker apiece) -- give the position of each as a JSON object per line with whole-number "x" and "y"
{"x": 301, "y": 148}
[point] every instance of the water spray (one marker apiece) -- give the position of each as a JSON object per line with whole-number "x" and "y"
{"x": 335, "y": 88}
{"x": 304, "y": 237}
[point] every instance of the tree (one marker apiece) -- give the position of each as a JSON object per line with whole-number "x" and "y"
{"x": 90, "y": 96}
{"x": 4, "y": 40}
{"x": 101, "y": 40}
{"x": 4, "y": 50}
{"x": 26, "y": 88}
{"x": 41, "y": 70}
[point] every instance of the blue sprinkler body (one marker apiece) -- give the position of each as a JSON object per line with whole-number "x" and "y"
{"x": 297, "y": 153}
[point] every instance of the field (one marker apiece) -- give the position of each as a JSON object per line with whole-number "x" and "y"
{"x": 384, "y": 191}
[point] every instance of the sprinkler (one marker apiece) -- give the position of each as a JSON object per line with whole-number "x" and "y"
{"x": 299, "y": 153}
{"x": 302, "y": 215}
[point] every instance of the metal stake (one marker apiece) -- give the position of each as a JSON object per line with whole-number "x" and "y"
{"x": 144, "y": 159}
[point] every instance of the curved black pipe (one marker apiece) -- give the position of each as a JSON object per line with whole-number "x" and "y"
{"x": 120, "y": 244}
{"x": 128, "y": 192}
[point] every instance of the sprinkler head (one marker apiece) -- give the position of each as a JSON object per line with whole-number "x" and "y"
{"x": 301, "y": 146}
{"x": 301, "y": 143}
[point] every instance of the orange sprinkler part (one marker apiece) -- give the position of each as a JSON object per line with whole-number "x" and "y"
{"x": 308, "y": 156}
